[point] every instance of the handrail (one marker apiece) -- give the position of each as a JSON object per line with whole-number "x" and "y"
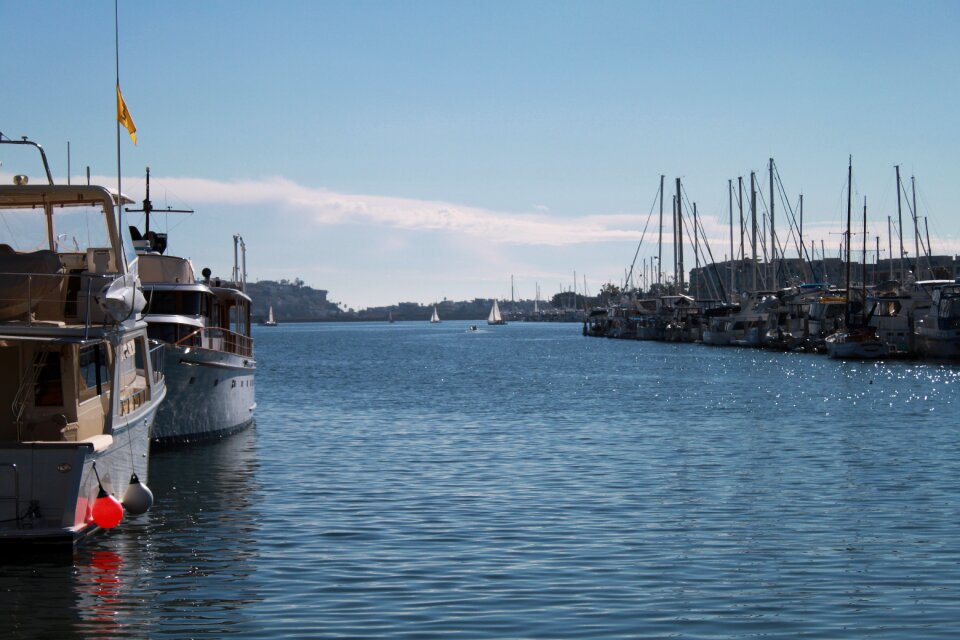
{"x": 15, "y": 497}
{"x": 28, "y": 297}
{"x": 233, "y": 342}
{"x": 25, "y": 140}
{"x": 157, "y": 360}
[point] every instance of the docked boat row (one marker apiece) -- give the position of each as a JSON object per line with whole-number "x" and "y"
{"x": 107, "y": 345}
{"x": 907, "y": 317}
{"x": 912, "y": 319}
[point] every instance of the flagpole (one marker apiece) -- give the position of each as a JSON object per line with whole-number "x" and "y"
{"x": 116, "y": 50}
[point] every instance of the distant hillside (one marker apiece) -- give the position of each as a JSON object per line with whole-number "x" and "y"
{"x": 291, "y": 301}
{"x": 296, "y": 302}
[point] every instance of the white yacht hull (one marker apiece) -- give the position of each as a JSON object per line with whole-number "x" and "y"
{"x": 47, "y": 489}
{"x": 853, "y": 346}
{"x": 211, "y": 394}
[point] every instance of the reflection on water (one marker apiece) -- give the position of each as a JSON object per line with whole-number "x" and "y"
{"x": 185, "y": 565}
{"x": 417, "y": 481}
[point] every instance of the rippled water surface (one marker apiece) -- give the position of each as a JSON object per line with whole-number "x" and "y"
{"x": 422, "y": 481}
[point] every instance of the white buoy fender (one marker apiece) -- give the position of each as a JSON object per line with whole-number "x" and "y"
{"x": 137, "y": 498}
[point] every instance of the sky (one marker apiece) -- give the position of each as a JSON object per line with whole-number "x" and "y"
{"x": 418, "y": 151}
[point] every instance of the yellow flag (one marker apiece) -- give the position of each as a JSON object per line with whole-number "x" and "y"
{"x": 123, "y": 116}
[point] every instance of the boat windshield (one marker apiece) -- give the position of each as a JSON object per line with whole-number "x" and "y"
{"x": 75, "y": 229}
{"x": 176, "y": 303}
{"x": 129, "y": 250}
{"x": 174, "y": 333}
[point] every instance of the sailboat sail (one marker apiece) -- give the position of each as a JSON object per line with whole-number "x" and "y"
{"x": 495, "y": 317}
{"x": 270, "y": 321}
{"x": 435, "y": 317}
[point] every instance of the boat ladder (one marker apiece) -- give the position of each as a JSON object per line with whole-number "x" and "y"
{"x": 15, "y": 496}
{"x": 28, "y": 380}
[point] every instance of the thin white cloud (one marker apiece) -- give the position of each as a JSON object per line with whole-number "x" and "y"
{"x": 325, "y": 207}
{"x": 328, "y": 207}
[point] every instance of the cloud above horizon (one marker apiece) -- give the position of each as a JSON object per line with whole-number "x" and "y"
{"x": 326, "y": 207}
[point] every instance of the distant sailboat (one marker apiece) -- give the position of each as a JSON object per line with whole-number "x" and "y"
{"x": 270, "y": 322}
{"x": 390, "y": 317}
{"x": 495, "y": 317}
{"x": 435, "y": 317}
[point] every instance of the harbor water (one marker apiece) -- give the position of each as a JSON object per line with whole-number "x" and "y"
{"x": 411, "y": 480}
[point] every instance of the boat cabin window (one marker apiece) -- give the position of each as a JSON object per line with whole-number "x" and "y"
{"x": 48, "y": 390}
{"x": 177, "y": 303}
{"x": 94, "y": 371}
{"x": 888, "y": 308}
{"x": 240, "y": 318}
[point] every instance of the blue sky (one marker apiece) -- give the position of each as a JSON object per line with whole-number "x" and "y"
{"x": 415, "y": 151}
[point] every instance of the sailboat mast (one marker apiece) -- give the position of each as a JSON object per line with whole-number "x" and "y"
{"x": 846, "y": 307}
{"x": 876, "y": 264}
{"x": 740, "y": 206}
{"x": 916, "y": 225}
{"x": 660, "y": 243}
{"x": 773, "y": 234}
{"x": 863, "y": 267}
{"x": 680, "y": 237}
{"x": 916, "y": 231}
{"x": 674, "y": 217}
{"x": 753, "y": 216}
{"x": 730, "y": 198}
{"x": 899, "y": 220}
{"x": 889, "y": 246}
{"x": 696, "y": 249}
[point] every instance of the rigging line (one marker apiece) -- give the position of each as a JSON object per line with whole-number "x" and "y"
{"x": 706, "y": 244}
{"x": 644, "y": 234}
{"x": 792, "y": 223}
{"x": 926, "y": 207}
{"x": 785, "y": 201}
{"x": 688, "y": 222}
{"x": 722, "y": 293}
{"x": 761, "y": 239}
{"x": 806, "y": 264}
{"x": 916, "y": 225}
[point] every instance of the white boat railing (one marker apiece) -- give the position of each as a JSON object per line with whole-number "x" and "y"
{"x": 61, "y": 298}
{"x": 220, "y": 339}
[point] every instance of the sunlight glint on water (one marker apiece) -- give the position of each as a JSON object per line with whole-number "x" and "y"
{"x": 411, "y": 480}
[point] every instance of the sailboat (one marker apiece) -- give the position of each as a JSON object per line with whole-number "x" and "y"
{"x": 495, "y": 317}
{"x": 855, "y": 340}
{"x": 390, "y": 317}
{"x": 270, "y": 322}
{"x": 435, "y": 318}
